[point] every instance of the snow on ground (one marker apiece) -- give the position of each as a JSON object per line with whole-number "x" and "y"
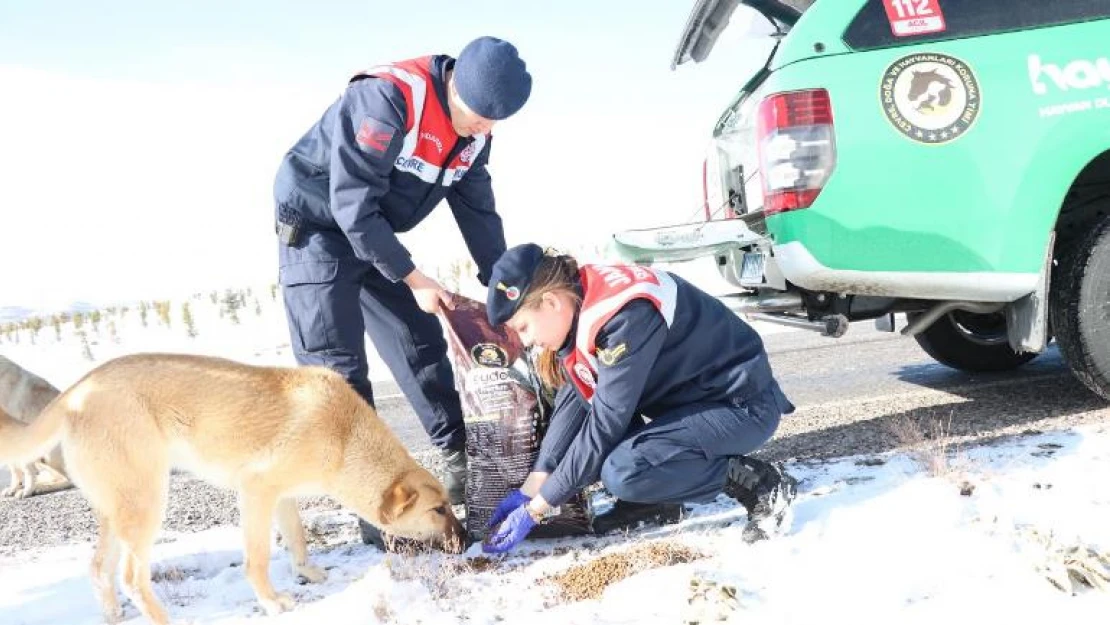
{"x": 873, "y": 539}
{"x": 876, "y": 539}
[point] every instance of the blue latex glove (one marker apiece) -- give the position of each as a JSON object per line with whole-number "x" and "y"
{"x": 512, "y": 501}
{"x": 513, "y": 530}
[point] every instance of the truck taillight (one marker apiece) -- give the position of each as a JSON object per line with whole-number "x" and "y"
{"x": 797, "y": 151}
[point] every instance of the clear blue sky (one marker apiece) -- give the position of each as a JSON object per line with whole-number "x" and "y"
{"x": 158, "y": 126}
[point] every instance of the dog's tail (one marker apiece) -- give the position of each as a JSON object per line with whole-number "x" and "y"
{"x": 21, "y": 443}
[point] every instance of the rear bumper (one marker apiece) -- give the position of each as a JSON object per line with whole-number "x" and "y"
{"x": 805, "y": 271}
{"x": 793, "y": 263}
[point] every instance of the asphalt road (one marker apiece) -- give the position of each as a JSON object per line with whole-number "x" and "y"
{"x": 868, "y": 375}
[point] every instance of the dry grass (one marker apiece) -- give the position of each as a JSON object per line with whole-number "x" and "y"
{"x": 383, "y": 612}
{"x": 171, "y": 574}
{"x": 449, "y": 579}
{"x": 1070, "y": 568}
{"x": 589, "y": 580}
{"x": 438, "y": 574}
{"x": 710, "y": 602}
{"x": 170, "y": 584}
{"x": 929, "y": 442}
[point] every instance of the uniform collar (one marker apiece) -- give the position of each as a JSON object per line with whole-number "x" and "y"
{"x": 440, "y": 65}
{"x": 568, "y": 345}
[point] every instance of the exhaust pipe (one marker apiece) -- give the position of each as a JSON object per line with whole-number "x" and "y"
{"x": 931, "y": 316}
{"x": 830, "y": 325}
{"x": 749, "y": 304}
{"x": 773, "y": 308}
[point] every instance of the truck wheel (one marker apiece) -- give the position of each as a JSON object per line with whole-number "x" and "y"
{"x": 1080, "y": 309}
{"x": 971, "y": 342}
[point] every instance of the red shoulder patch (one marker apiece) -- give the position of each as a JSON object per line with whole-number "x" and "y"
{"x": 374, "y": 136}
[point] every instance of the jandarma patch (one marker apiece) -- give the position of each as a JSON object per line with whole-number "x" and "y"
{"x": 930, "y": 98}
{"x": 585, "y": 375}
{"x": 374, "y": 136}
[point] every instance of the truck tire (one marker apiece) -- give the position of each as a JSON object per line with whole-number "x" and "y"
{"x": 971, "y": 342}
{"x": 1080, "y": 309}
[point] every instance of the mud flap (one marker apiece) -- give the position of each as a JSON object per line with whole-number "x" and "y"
{"x": 1027, "y": 318}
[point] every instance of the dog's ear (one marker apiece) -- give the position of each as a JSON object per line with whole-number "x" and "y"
{"x": 396, "y": 501}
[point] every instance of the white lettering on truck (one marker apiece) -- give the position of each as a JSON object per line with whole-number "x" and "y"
{"x": 1077, "y": 74}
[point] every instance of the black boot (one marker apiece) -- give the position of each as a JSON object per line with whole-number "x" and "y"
{"x": 454, "y": 479}
{"x": 371, "y": 535}
{"x": 766, "y": 492}
{"x": 626, "y": 514}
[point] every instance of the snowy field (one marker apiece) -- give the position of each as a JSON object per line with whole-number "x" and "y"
{"x": 1017, "y": 532}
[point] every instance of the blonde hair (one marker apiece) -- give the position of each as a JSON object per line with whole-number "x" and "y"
{"x": 556, "y": 273}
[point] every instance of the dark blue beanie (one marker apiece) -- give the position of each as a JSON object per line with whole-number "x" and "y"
{"x": 509, "y": 281}
{"x": 491, "y": 79}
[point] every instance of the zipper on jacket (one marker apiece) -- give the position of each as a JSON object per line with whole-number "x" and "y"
{"x": 455, "y": 149}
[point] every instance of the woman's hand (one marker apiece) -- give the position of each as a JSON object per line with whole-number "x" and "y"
{"x": 512, "y": 501}
{"x": 511, "y": 532}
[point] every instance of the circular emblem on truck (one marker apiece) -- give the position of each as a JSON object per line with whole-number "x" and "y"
{"x": 930, "y": 98}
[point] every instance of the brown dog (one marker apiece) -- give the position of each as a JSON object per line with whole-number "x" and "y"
{"x": 23, "y": 395}
{"x": 269, "y": 433}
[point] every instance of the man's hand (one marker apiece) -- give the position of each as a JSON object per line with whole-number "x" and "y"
{"x": 513, "y": 530}
{"x": 429, "y": 294}
{"x": 512, "y": 501}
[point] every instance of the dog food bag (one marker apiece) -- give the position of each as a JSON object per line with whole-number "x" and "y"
{"x": 505, "y": 415}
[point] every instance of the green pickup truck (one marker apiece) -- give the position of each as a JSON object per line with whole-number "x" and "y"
{"x": 944, "y": 159}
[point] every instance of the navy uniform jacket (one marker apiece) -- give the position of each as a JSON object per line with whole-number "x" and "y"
{"x": 335, "y": 184}
{"x": 708, "y": 354}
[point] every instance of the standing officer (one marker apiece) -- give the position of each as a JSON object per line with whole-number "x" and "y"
{"x": 398, "y": 140}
